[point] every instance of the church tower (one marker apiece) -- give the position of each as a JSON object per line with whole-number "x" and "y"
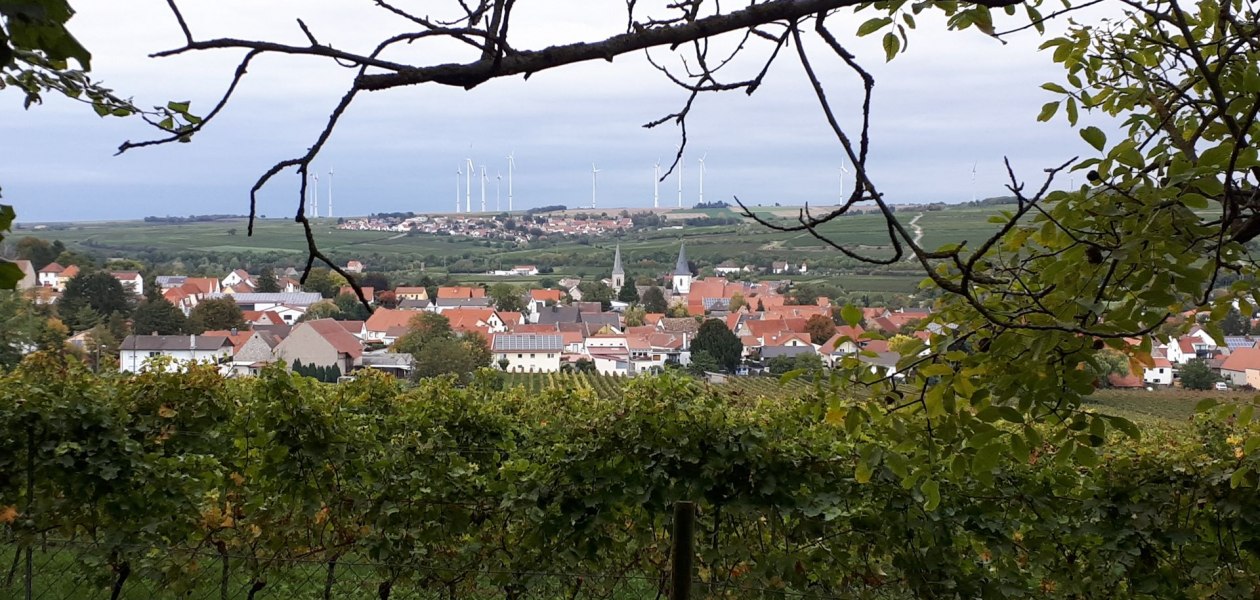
{"x": 618, "y": 273}
{"x": 682, "y": 272}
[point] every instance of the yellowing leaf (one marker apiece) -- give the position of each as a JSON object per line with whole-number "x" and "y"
{"x": 8, "y": 514}
{"x": 166, "y": 412}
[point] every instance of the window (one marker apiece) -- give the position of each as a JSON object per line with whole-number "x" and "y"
{"x": 520, "y": 356}
{"x": 152, "y": 354}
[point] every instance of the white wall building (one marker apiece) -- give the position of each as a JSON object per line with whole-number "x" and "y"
{"x": 137, "y": 349}
{"x": 528, "y": 352}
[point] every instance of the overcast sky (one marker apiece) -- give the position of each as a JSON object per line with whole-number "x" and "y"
{"x": 954, "y": 100}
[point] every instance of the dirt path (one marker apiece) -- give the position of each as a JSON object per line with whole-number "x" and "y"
{"x": 918, "y": 231}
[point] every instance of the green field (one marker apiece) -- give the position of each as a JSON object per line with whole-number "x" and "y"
{"x": 278, "y": 241}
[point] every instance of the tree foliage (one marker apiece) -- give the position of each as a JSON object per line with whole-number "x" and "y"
{"x": 654, "y": 300}
{"x": 267, "y": 283}
{"x": 506, "y": 297}
{"x": 93, "y": 296}
{"x": 719, "y": 342}
{"x": 820, "y": 328}
{"x": 216, "y": 314}
{"x": 1197, "y": 375}
{"x": 160, "y": 317}
{"x": 628, "y": 293}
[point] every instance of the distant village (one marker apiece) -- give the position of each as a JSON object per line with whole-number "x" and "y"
{"x": 553, "y": 330}
{"x": 518, "y": 228}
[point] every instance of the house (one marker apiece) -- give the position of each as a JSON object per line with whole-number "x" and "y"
{"x": 780, "y": 267}
{"x": 323, "y": 343}
{"x": 410, "y": 293}
{"x": 397, "y": 364}
{"x": 481, "y": 320}
{"x": 289, "y": 305}
{"x": 727, "y": 268}
{"x": 1242, "y": 368}
{"x": 525, "y": 270}
{"x": 1190, "y": 347}
{"x": 239, "y": 277}
{"x": 387, "y": 325}
{"x": 354, "y": 266}
{"x": 183, "y": 349}
{"x": 527, "y": 352}
{"x": 1159, "y": 373}
{"x": 131, "y": 281}
{"x": 444, "y": 304}
{"x": 251, "y": 351}
{"x": 47, "y": 276}
{"x": 167, "y": 282}
{"x": 413, "y": 304}
{"x": 459, "y": 292}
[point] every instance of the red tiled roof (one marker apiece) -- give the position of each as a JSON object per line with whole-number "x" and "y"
{"x": 384, "y": 318}
{"x": 335, "y": 334}
{"x": 461, "y": 292}
{"x": 52, "y": 268}
{"x": 545, "y": 295}
{"x": 1243, "y": 359}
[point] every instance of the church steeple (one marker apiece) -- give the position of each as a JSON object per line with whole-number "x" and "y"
{"x": 618, "y": 273}
{"x": 682, "y": 271}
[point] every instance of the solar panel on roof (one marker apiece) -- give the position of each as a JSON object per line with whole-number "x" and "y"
{"x": 527, "y": 342}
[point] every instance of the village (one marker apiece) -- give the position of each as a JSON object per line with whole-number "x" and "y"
{"x": 501, "y": 226}
{"x": 554, "y": 330}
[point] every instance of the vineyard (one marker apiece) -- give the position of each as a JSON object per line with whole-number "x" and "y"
{"x": 611, "y": 386}
{"x": 179, "y": 485}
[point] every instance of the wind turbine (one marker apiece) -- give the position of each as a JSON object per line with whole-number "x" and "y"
{"x": 656, "y": 184}
{"x": 680, "y": 173}
{"x": 483, "y": 188}
{"x": 468, "y": 186}
{"x": 511, "y": 164}
{"x": 594, "y": 180}
{"x": 330, "y": 180}
{"x": 315, "y": 195}
{"x": 498, "y": 181}
{"x": 843, "y": 172}
{"x": 459, "y": 172}
{"x": 973, "y": 180}
{"x": 702, "y": 176}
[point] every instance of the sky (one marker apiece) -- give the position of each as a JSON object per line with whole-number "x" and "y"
{"x": 955, "y": 100}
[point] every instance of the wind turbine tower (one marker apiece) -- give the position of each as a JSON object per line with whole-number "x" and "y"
{"x": 458, "y": 173}
{"x": 498, "y": 182}
{"x": 973, "y": 180}
{"x": 330, "y": 180}
{"x": 511, "y": 164}
{"x": 315, "y": 195}
{"x": 680, "y": 177}
{"x": 656, "y": 185}
{"x": 594, "y": 176}
{"x": 702, "y": 177}
{"x": 483, "y": 188}
{"x": 468, "y": 186}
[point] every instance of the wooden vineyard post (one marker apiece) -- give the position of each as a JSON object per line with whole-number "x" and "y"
{"x": 682, "y": 554}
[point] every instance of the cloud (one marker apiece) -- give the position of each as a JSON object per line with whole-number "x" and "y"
{"x": 956, "y": 98}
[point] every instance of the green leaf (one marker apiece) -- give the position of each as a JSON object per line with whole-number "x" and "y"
{"x": 862, "y": 473}
{"x": 931, "y": 495}
{"x": 179, "y": 107}
{"x": 873, "y": 25}
{"x": 1053, "y": 87}
{"x": 10, "y": 275}
{"x": 986, "y": 459}
{"x": 1095, "y": 137}
{"x": 1125, "y": 426}
{"x": 7, "y": 215}
{"x": 1239, "y": 477}
{"x": 891, "y": 45}
{"x": 1048, "y": 110}
{"x": 851, "y": 314}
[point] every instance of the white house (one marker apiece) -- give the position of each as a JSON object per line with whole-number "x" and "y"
{"x": 183, "y": 349}
{"x": 528, "y": 352}
{"x": 1159, "y": 373}
{"x": 131, "y": 281}
{"x": 47, "y": 276}
{"x": 237, "y": 277}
